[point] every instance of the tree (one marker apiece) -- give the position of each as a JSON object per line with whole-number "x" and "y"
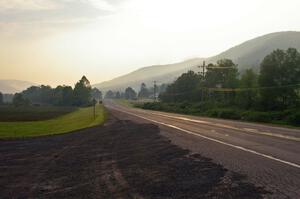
{"x": 118, "y": 95}
{"x": 144, "y": 92}
{"x": 130, "y": 93}
{"x": 57, "y": 96}
{"x": 46, "y": 94}
{"x": 19, "y": 100}
{"x": 279, "y": 79}
{"x": 67, "y": 95}
{"x": 63, "y": 96}
{"x": 249, "y": 93}
{"x": 82, "y": 92}
{"x": 109, "y": 94}
{"x": 96, "y": 94}
{"x": 1, "y": 98}
{"x": 223, "y": 76}
{"x": 33, "y": 94}
{"x": 185, "y": 88}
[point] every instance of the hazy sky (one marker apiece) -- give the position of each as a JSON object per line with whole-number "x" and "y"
{"x": 57, "y": 41}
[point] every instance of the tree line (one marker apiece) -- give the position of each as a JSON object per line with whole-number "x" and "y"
{"x": 131, "y": 94}
{"x": 275, "y": 87}
{"x": 82, "y": 95}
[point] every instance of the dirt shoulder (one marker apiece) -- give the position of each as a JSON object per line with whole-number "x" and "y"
{"x": 121, "y": 159}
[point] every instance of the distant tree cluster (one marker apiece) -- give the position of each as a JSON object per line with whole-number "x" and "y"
{"x": 144, "y": 92}
{"x": 131, "y": 94}
{"x": 276, "y": 87}
{"x": 81, "y": 95}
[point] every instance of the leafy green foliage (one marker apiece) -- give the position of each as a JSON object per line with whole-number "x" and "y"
{"x": 288, "y": 117}
{"x": 185, "y": 88}
{"x": 1, "y": 98}
{"x": 280, "y": 69}
{"x": 222, "y": 75}
{"x": 19, "y": 100}
{"x": 144, "y": 92}
{"x": 246, "y": 97}
{"x": 109, "y": 94}
{"x": 130, "y": 93}
{"x": 294, "y": 118}
{"x": 249, "y": 81}
{"x": 62, "y": 95}
{"x": 82, "y": 92}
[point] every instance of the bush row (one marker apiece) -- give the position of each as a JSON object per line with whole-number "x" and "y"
{"x": 288, "y": 117}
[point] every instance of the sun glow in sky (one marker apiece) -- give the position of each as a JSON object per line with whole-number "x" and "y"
{"x": 57, "y": 41}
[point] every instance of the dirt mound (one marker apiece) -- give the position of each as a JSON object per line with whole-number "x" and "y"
{"x": 119, "y": 160}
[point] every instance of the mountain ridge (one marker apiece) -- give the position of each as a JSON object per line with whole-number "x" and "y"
{"x": 248, "y": 54}
{"x": 11, "y": 86}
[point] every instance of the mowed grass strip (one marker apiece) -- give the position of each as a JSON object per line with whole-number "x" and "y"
{"x": 10, "y": 113}
{"x": 132, "y": 103}
{"x": 79, "y": 119}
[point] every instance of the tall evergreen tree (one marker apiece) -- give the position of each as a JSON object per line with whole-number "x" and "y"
{"x": 144, "y": 92}
{"x": 82, "y": 92}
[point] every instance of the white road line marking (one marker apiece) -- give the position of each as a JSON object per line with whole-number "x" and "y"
{"x": 215, "y": 140}
{"x": 231, "y": 127}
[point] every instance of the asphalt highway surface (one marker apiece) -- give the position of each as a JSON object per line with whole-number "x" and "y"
{"x": 269, "y": 156}
{"x": 139, "y": 154}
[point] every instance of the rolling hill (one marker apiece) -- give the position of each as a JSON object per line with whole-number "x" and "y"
{"x": 14, "y": 86}
{"x": 250, "y": 53}
{"x": 247, "y": 55}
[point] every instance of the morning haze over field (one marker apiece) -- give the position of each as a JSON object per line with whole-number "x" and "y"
{"x": 59, "y": 40}
{"x": 150, "y": 99}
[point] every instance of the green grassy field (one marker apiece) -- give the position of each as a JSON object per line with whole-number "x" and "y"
{"x": 10, "y": 113}
{"x": 132, "y": 103}
{"x": 81, "y": 118}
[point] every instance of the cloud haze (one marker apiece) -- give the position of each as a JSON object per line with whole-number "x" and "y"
{"x": 59, "y": 40}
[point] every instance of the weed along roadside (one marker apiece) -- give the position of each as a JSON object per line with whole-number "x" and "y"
{"x": 78, "y": 119}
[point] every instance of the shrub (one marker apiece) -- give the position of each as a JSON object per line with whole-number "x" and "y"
{"x": 294, "y": 119}
{"x": 255, "y": 116}
{"x": 227, "y": 113}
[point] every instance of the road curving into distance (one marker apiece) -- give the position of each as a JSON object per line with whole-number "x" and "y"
{"x": 267, "y": 155}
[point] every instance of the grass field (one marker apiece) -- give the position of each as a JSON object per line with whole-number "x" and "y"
{"x": 132, "y": 103}
{"x": 10, "y": 113}
{"x": 81, "y": 118}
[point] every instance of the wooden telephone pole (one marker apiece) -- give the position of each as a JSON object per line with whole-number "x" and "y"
{"x": 203, "y": 75}
{"x": 154, "y": 90}
{"x": 203, "y": 69}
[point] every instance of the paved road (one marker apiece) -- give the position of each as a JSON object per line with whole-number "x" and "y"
{"x": 267, "y": 155}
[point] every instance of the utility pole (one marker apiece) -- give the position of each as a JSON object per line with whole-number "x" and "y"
{"x": 154, "y": 90}
{"x": 202, "y": 74}
{"x": 203, "y": 69}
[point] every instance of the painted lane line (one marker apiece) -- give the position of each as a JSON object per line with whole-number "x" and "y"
{"x": 215, "y": 140}
{"x": 230, "y": 127}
